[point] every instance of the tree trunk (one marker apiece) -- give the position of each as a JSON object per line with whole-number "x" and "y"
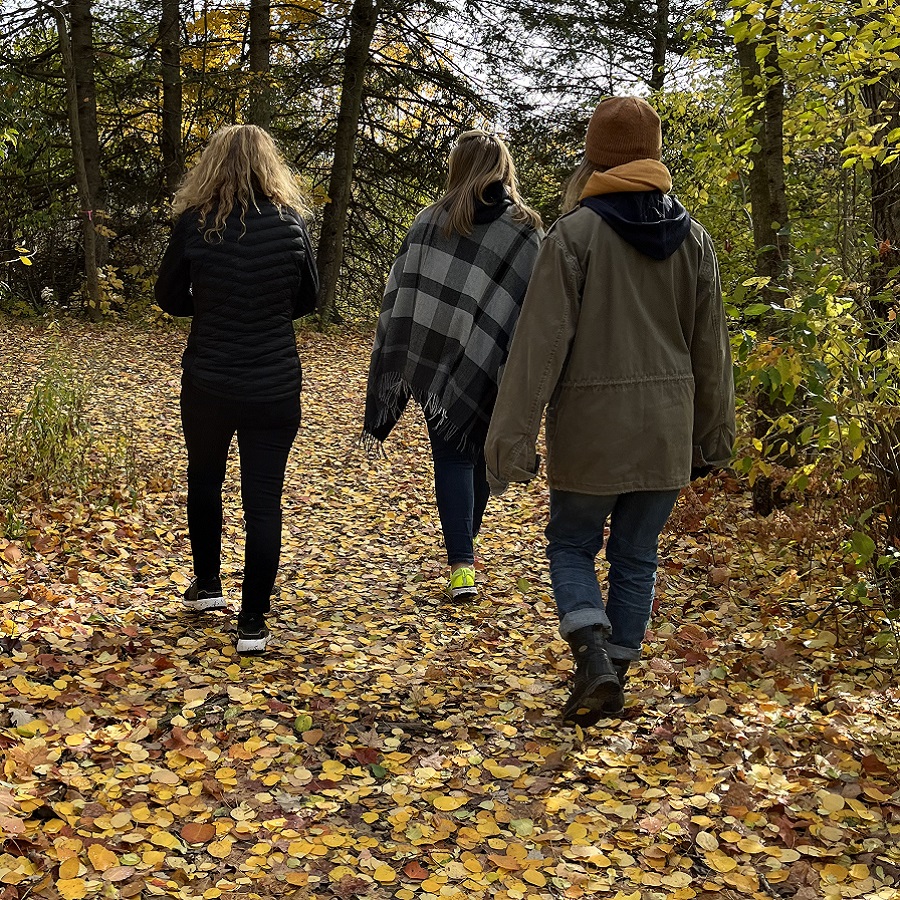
{"x": 363, "y": 19}
{"x": 259, "y": 107}
{"x": 660, "y": 45}
{"x": 883, "y": 101}
{"x": 82, "y": 40}
{"x": 170, "y": 135}
{"x": 85, "y": 197}
{"x": 773, "y": 148}
{"x": 762, "y": 87}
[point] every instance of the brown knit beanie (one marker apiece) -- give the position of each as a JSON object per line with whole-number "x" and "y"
{"x": 623, "y": 129}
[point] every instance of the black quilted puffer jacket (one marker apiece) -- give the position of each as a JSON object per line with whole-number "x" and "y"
{"x": 243, "y": 293}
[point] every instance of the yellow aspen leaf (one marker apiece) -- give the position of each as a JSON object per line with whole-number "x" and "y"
{"x": 828, "y": 833}
{"x": 385, "y": 874}
{"x": 748, "y": 845}
{"x": 72, "y": 888}
{"x": 720, "y": 862}
{"x": 743, "y": 881}
{"x": 859, "y": 872}
{"x": 447, "y": 804}
{"x": 535, "y": 877}
{"x": 504, "y": 772}
{"x": 220, "y": 849}
{"x": 165, "y": 839}
{"x": 164, "y": 776}
{"x": 505, "y": 862}
{"x": 339, "y": 872}
{"x": 101, "y": 858}
{"x": 70, "y": 868}
{"x": 717, "y": 707}
{"x": 577, "y": 831}
{"x": 831, "y": 802}
{"x": 833, "y": 873}
{"x": 297, "y": 878}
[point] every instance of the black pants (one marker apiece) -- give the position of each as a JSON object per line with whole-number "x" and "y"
{"x": 265, "y": 433}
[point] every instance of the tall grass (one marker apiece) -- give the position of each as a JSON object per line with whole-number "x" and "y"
{"x": 49, "y": 447}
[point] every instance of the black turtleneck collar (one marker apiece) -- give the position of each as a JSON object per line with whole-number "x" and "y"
{"x": 496, "y": 202}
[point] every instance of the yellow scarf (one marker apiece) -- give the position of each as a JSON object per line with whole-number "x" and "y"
{"x": 637, "y": 175}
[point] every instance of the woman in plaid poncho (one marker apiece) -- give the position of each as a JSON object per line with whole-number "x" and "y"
{"x": 450, "y": 307}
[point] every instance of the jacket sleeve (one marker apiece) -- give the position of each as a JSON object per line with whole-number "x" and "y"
{"x": 173, "y": 280}
{"x": 308, "y": 290}
{"x": 714, "y": 419}
{"x": 538, "y": 354}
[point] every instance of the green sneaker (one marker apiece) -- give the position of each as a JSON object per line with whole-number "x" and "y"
{"x": 462, "y": 583}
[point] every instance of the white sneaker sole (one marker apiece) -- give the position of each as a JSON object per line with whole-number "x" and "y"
{"x": 252, "y": 645}
{"x": 205, "y": 604}
{"x": 458, "y": 592}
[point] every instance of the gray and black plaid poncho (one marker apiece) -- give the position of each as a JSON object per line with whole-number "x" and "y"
{"x": 449, "y": 312}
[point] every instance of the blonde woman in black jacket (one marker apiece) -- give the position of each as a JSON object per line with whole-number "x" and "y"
{"x": 239, "y": 261}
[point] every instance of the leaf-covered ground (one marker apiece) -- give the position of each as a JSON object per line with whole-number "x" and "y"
{"x": 392, "y": 744}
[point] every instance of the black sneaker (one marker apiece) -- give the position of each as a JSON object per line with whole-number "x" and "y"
{"x": 204, "y": 594}
{"x": 252, "y": 634}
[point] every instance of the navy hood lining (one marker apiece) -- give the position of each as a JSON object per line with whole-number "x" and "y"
{"x": 654, "y": 223}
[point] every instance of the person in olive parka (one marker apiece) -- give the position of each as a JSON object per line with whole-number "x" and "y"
{"x": 623, "y": 334}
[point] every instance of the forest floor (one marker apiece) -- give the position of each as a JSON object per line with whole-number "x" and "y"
{"x": 392, "y": 744}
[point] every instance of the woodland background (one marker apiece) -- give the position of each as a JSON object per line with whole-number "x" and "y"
{"x": 782, "y": 131}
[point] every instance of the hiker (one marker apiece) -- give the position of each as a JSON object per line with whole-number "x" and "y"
{"x": 240, "y": 262}
{"x": 623, "y": 333}
{"x": 450, "y": 306}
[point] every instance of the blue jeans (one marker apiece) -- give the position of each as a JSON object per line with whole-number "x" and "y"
{"x": 462, "y": 492}
{"x": 575, "y": 537}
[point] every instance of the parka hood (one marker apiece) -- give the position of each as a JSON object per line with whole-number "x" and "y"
{"x": 654, "y": 223}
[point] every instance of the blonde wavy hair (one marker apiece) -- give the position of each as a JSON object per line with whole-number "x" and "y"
{"x": 240, "y": 164}
{"x": 478, "y": 160}
{"x": 577, "y": 182}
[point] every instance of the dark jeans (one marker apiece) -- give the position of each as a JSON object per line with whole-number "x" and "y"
{"x": 462, "y": 492}
{"x": 575, "y": 537}
{"x": 265, "y": 433}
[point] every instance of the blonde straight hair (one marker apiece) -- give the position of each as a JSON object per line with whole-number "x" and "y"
{"x": 576, "y": 183}
{"x": 239, "y": 163}
{"x": 478, "y": 160}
